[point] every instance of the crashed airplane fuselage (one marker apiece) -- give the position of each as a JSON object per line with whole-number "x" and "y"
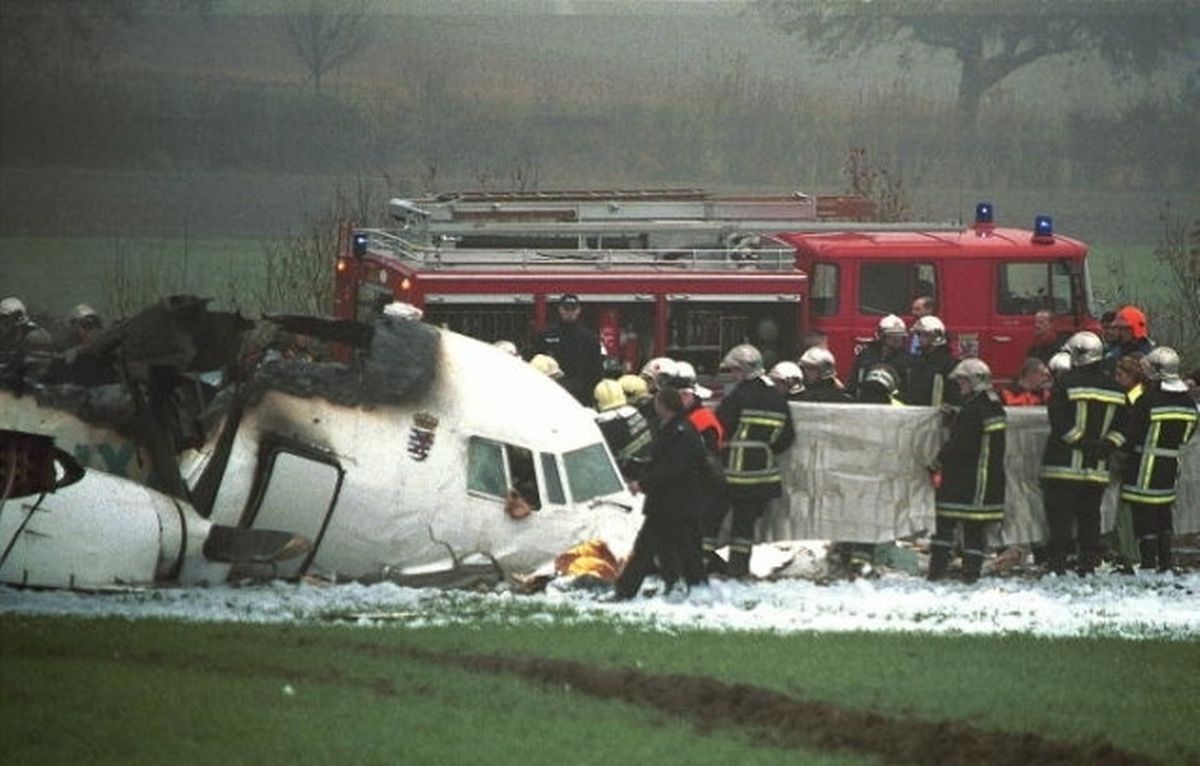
{"x": 433, "y": 449}
{"x": 393, "y": 489}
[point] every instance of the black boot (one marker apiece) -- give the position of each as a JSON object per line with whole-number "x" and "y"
{"x": 939, "y": 559}
{"x": 1164, "y": 552}
{"x": 1148, "y": 551}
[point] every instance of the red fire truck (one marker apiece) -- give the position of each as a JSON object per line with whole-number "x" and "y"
{"x": 684, "y": 274}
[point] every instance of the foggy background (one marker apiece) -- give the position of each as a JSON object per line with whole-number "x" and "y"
{"x": 168, "y": 146}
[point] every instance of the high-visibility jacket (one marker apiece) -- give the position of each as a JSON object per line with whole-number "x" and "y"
{"x": 758, "y": 425}
{"x": 1086, "y": 411}
{"x": 628, "y": 436}
{"x": 1158, "y": 426}
{"x": 972, "y": 462}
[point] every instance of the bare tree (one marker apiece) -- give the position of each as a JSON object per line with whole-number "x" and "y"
{"x": 994, "y": 39}
{"x": 325, "y": 34}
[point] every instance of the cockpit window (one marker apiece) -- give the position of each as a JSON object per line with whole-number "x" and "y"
{"x": 524, "y": 479}
{"x": 590, "y": 473}
{"x": 554, "y": 487}
{"x": 485, "y": 467}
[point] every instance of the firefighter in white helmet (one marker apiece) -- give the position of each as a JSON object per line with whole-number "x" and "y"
{"x": 1159, "y": 424}
{"x": 819, "y": 369}
{"x": 929, "y": 371}
{"x": 625, "y": 430}
{"x": 1086, "y": 412}
{"x": 788, "y": 379}
{"x": 970, "y": 492}
{"x": 758, "y": 426}
{"x": 18, "y": 333}
{"x": 887, "y": 348}
{"x": 655, "y": 373}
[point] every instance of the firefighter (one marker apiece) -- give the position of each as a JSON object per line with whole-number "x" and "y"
{"x": 928, "y": 372}
{"x": 655, "y": 373}
{"x": 85, "y": 324}
{"x": 18, "y": 333}
{"x": 1086, "y": 411}
{"x": 713, "y": 500}
{"x": 623, "y": 427}
{"x": 922, "y": 306}
{"x": 971, "y": 464}
{"x": 548, "y": 366}
{"x": 1159, "y": 424}
{"x": 819, "y": 369}
{"x": 1130, "y": 377}
{"x": 672, "y": 483}
{"x": 879, "y": 387}
{"x": 758, "y": 426}
{"x": 788, "y": 379}
{"x": 887, "y": 348}
{"x": 1130, "y": 334}
{"x": 575, "y": 347}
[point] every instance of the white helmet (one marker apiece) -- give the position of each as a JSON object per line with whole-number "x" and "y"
{"x": 1060, "y": 362}
{"x": 931, "y": 328}
{"x": 1085, "y": 348}
{"x": 12, "y": 307}
{"x": 788, "y": 374}
{"x": 1162, "y": 364}
{"x": 820, "y": 361}
{"x": 685, "y": 378}
{"x": 659, "y": 368}
{"x": 745, "y": 359}
{"x": 891, "y": 325}
{"x": 975, "y": 371}
{"x": 507, "y": 346}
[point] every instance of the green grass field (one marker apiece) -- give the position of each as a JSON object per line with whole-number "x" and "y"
{"x": 150, "y": 691}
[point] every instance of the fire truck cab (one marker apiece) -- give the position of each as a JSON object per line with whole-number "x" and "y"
{"x": 684, "y": 274}
{"x": 987, "y": 283}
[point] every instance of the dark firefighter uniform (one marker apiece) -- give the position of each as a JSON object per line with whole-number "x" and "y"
{"x": 1158, "y": 425}
{"x": 628, "y": 435}
{"x": 929, "y": 378}
{"x": 875, "y": 353}
{"x": 823, "y": 391}
{"x": 972, "y": 489}
{"x": 673, "y": 482}
{"x": 758, "y": 426}
{"x": 1086, "y": 408}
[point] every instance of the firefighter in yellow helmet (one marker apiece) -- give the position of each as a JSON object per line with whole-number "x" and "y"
{"x": 624, "y": 429}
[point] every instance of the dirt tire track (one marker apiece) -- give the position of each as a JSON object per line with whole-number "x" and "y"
{"x": 787, "y": 722}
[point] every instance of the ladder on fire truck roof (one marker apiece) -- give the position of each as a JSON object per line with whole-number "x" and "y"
{"x": 750, "y": 254}
{"x": 624, "y": 205}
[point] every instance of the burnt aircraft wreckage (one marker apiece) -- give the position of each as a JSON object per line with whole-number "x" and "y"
{"x": 426, "y": 452}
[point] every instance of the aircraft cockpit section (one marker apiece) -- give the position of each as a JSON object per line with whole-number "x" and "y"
{"x": 583, "y": 476}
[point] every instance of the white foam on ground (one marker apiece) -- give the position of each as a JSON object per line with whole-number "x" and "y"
{"x": 1143, "y": 606}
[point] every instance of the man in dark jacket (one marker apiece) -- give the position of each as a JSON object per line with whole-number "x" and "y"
{"x": 672, "y": 482}
{"x": 757, "y": 422}
{"x": 1086, "y": 411}
{"x": 971, "y": 464}
{"x": 819, "y": 369}
{"x": 929, "y": 372}
{"x": 1160, "y": 423}
{"x": 575, "y": 348}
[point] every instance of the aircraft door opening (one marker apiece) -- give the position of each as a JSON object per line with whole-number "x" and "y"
{"x": 296, "y": 493}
